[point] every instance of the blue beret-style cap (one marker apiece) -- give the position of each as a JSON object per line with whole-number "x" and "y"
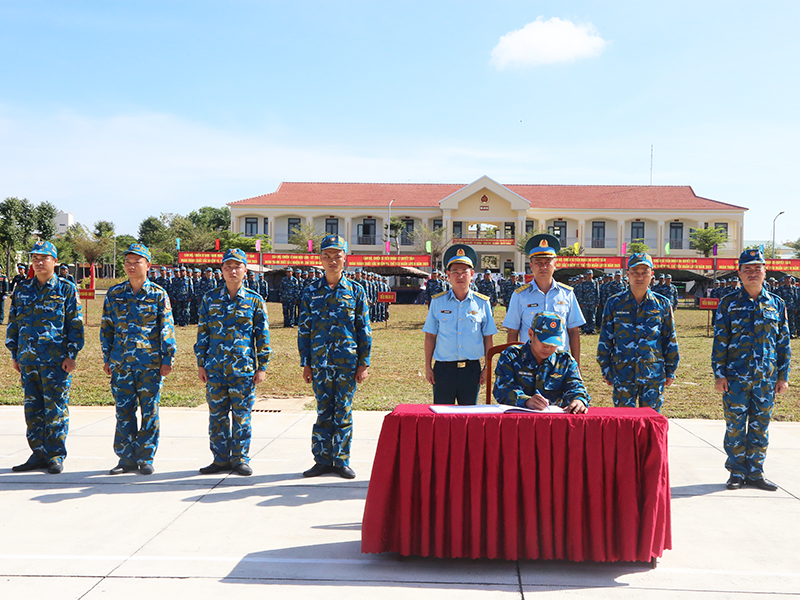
{"x": 41, "y": 247}
{"x": 548, "y": 327}
{"x": 333, "y": 241}
{"x": 755, "y": 256}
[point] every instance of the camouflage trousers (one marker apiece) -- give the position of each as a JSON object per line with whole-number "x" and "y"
{"x": 134, "y": 388}
{"x": 588, "y": 314}
{"x": 748, "y": 408}
{"x": 182, "y": 312}
{"x": 193, "y": 311}
{"x": 230, "y": 402}
{"x": 333, "y": 430}
{"x": 626, "y": 394}
{"x": 46, "y": 390}
{"x": 288, "y": 314}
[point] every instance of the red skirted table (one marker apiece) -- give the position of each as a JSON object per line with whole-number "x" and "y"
{"x": 520, "y": 486}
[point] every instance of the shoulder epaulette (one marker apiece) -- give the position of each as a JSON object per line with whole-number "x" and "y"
{"x": 565, "y": 286}
{"x": 481, "y": 296}
{"x": 522, "y": 289}
{"x": 437, "y": 295}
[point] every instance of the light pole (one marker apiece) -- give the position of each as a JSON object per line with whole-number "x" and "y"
{"x": 773, "y": 233}
{"x": 389, "y": 228}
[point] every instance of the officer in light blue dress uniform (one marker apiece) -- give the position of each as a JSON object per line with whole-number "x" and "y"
{"x": 44, "y": 335}
{"x": 544, "y": 294}
{"x": 750, "y": 358}
{"x": 334, "y": 339}
{"x": 458, "y": 332}
{"x": 137, "y": 337}
{"x": 232, "y": 354}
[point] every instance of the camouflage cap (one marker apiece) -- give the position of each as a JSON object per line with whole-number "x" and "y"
{"x": 235, "y": 254}
{"x": 48, "y": 248}
{"x": 755, "y": 256}
{"x": 141, "y": 250}
{"x": 640, "y": 258}
{"x": 333, "y": 241}
{"x": 548, "y": 327}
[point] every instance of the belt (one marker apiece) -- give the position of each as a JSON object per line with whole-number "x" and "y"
{"x": 458, "y": 364}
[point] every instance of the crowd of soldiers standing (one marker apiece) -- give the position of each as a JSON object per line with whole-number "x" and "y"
{"x": 788, "y": 288}
{"x": 292, "y": 288}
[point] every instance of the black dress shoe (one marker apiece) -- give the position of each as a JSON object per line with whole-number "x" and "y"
{"x": 146, "y": 469}
{"x": 215, "y": 468}
{"x": 54, "y": 467}
{"x": 243, "y": 469}
{"x": 31, "y": 464}
{"x": 344, "y": 472}
{"x": 762, "y": 484}
{"x": 735, "y": 482}
{"x": 317, "y": 470}
{"x": 120, "y": 468}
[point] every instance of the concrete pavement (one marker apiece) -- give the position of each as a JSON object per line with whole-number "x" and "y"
{"x": 87, "y": 534}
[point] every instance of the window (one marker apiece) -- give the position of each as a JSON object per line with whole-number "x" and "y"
{"x": 676, "y": 236}
{"x": 366, "y": 232}
{"x": 637, "y": 231}
{"x": 723, "y": 226}
{"x": 266, "y": 226}
{"x": 559, "y": 230}
{"x": 406, "y": 236}
{"x": 528, "y": 226}
{"x": 332, "y": 226}
{"x": 508, "y": 231}
{"x": 294, "y": 224}
{"x": 437, "y": 224}
{"x": 251, "y": 226}
{"x": 598, "y": 234}
{"x": 458, "y": 229}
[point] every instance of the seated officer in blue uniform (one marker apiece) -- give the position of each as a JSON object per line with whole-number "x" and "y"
{"x": 536, "y": 374}
{"x": 458, "y": 332}
{"x": 750, "y": 358}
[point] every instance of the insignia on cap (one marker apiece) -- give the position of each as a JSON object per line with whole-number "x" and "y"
{"x": 543, "y": 244}
{"x": 460, "y": 252}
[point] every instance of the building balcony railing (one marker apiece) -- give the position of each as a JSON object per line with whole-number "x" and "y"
{"x": 366, "y": 240}
{"x": 601, "y": 242}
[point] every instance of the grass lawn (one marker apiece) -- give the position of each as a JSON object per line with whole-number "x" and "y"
{"x": 396, "y": 374}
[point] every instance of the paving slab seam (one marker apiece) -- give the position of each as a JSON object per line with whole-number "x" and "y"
{"x": 519, "y": 580}
{"x": 693, "y": 434}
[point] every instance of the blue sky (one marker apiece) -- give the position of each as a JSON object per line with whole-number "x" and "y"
{"x": 120, "y": 110}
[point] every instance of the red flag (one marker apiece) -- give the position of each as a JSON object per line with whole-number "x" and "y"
{"x": 216, "y": 244}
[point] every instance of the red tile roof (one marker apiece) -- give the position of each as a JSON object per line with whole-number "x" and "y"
{"x": 428, "y": 195}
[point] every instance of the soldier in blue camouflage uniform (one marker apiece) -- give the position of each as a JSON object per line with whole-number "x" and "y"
{"x": 182, "y": 291}
{"x": 586, "y": 293}
{"x": 608, "y": 290}
{"x": 487, "y": 287}
{"x": 290, "y": 288}
{"x": 638, "y": 347}
{"x": 671, "y": 292}
{"x": 750, "y": 358}
{"x": 537, "y": 375}
{"x": 137, "y": 337}
{"x": 44, "y": 335}
{"x": 232, "y": 354}
{"x": 511, "y": 286}
{"x": 786, "y": 291}
{"x": 194, "y": 300}
{"x": 433, "y": 287}
{"x": 334, "y": 339}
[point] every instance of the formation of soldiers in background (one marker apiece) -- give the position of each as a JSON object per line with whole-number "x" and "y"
{"x": 291, "y": 290}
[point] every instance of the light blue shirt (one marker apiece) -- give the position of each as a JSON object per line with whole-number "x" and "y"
{"x": 529, "y": 300}
{"x": 459, "y": 326}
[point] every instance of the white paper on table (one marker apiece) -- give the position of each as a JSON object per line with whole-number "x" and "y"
{"x": 488, "y": 409}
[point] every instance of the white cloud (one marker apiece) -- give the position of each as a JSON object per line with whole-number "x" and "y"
{"x": 547, "y": 42}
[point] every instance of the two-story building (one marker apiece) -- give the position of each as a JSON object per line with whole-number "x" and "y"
{"x": 602, "y": 219}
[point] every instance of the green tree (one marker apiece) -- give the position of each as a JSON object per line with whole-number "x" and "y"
{"x": 214, "y": 219}
{"x": 228, "y": 240}
{"x": 394, "y": 231}
{"x": 17, "y": 223}
{"x": 437, "y": 237}
{"x": 300, "y": 235}
{"x": 44, "y": 216}
{"x": 152, "y": 232}
{"x": 571, "y": 251}
{"x": 637, "y": 246}
{"x": 794, "y": 246}
{"x": 88, "y": 244}
{"x": 522, "y": 240}
{"x": 705, "y": 239}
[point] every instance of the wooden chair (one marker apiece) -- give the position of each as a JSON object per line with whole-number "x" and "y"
{"x": 489, "y": 367}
